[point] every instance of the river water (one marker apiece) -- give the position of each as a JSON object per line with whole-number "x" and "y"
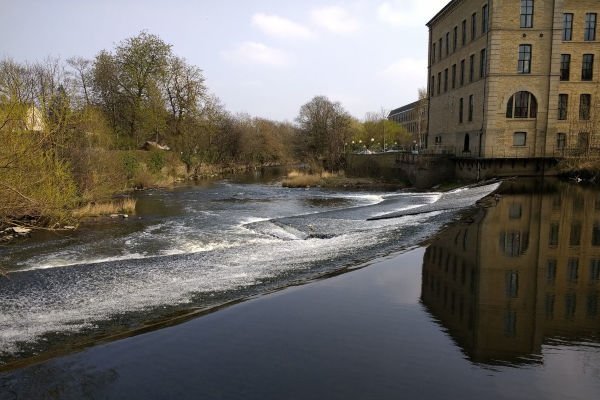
{"x": 508, "y": 290}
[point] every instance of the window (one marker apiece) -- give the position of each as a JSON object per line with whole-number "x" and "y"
{"x": 575, "y": 236}
{"x": 484, "y": 19}
{"x": 439, "y": 82}
{"x": 587, "y": 67}
{"x": 515, "y": 211}
{"x": 472, "y": 68}
{"x": 464, "y": 32}
{"x": 433, "y": 54}
{"x": 549, "y": 305}
{"x": 563, "y": 103}
{"x": 446, "y": 80}
{"x": 455, "y": 38}
{"x": 572, "y": 269}
{"x": 594, "y": 270}
{"x": 471, "y": 106}
{"x": 510, "y": 323}
{"x": 519, "y": 139}
{"x": 583, "y": 140}
{"x": 454, "y": 76}
{"x": 461, "y": 109}
{"x": 511, "y": 284}
{"x": 561, "y": 140}
{"x": 553, "y": 235}
{"x": 524, "y": 59}
{"x": 567, "y": 33}
{"x": 482, "y": 63}
{"x": 590, "y": 27}
{"x": 591, "y": 309}
{"x": 462, "y": 72}
{"x": 526, "y": 13}
{"x": 551, "y": 271}
{"x": 521, "y": 105}
{"x": 570, "y": 305}
{"x": 596, "y": 235}
{"x": 514, "y": 244}
{"x": 585, "y": 101}
{"x": 447, "y": 43}
{"x": 432, "y": 91}
{"x": 440, "y": 49}
{"x": 565, "y": 67}
{"x": 473, "y": 26}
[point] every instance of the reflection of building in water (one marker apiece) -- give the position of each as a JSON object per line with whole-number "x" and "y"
{"x": 524, "y": 269}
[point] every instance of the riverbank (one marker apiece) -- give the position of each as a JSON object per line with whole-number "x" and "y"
{"x": 339, "y": 180}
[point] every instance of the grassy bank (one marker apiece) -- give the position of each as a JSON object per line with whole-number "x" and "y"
{"x": 338, "y": 180}
{"x": 119, "y": 206}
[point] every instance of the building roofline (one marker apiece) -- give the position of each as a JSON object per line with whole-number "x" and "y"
{"x": 449, "y": 7}
{"x": 403, "y": 108}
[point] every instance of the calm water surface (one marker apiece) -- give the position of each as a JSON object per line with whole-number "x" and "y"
{"x": 502, "y": 303}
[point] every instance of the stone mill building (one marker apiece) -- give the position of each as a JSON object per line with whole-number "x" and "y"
{"x": 514, "y": 79}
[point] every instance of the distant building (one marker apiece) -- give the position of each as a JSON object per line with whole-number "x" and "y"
{"x": 514, "y": 79}
{"x": 34, "y": 120}
{"x": 413, "y": 117}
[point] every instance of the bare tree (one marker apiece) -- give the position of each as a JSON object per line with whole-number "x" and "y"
{"x": 83, "y": 71}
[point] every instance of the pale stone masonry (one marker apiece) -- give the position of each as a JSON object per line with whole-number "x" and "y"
{"x": 514, "y": 78}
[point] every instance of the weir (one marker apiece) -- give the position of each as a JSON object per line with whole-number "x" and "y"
{"x": 428, "y": 170}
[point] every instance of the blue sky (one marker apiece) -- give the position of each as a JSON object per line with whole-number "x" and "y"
{"x": 263, "y": 57}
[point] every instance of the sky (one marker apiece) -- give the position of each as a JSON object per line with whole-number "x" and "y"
{"x": 262, "y": 57}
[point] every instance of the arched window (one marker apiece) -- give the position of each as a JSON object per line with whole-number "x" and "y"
{"x": 521, "y": 105}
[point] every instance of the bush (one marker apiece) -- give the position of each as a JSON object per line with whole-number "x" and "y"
{"x": 131, "y": 164}
{"x": 156, "y": 162}
{"x": 38, "y": 189}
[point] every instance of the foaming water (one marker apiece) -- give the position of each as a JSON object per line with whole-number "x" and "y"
{"x": 196, "y": 248}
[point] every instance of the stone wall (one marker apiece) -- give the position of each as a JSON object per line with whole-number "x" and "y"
{"x": 422, "y": 171}
{"x": 425, "y": 171}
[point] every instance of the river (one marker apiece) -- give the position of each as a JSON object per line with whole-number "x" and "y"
{"x": 509, "y": 284}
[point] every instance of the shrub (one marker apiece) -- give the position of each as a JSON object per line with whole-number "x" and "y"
{"x": 131, "y": 164}
{"x": 156, "y": 162}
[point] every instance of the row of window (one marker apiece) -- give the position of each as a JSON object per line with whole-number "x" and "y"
{"x": 526, "y": 21}
{"x": 589, "y": 32}
{"x": 574, "y": 234}
{"x": 523, "y": 67}
{"x": 460, "y": 79}
{"x": 437, "y": 51}
{"x": 570, "y": 305}
{"x": 587, "y": 67}
{"x": 585, "y": 106}
{"x": 583, "y": 140}
{"x": 573, "y": 270}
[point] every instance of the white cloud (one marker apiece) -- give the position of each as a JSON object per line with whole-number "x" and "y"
{"x": 281, "y": 27}
{"x": 336, "y": 20}
{"x": 257, "y": 53}
{"x": 402, "y": 13}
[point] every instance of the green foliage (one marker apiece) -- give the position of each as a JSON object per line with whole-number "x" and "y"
{"x": 156, "y": 162}
{"x": 36, "y": 187}
{"x": 130, "y": 163}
